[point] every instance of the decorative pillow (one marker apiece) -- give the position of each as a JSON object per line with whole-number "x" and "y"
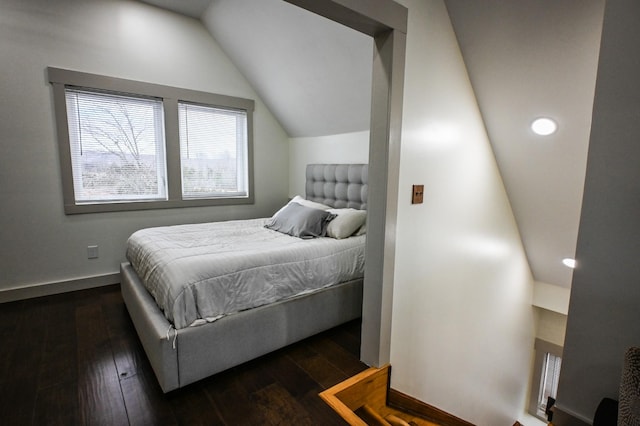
{"x": 307, "y": 203}
{"x": 346, "y": 222}
{"x": 300, "y": 221}
{"x": 298, "y": 199}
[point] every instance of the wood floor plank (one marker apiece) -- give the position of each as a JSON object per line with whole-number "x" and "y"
{"x": 349, "y": 337}
{"x": 128, "y": 352}
{"x": 338, "y": 356}
{"x": 192, "y": 407}
{"x": 319, "y": 369}
{"x": 252, "y": 375}
{"x": 10, "y": 318}
{"x": 57, "y": 405}
{"x": 320, "y": 411}
{"x": 294, "y": 379}
{"x": 59, "y": 364}
{"x": 26, "y": 347}
{"x": 100, "y": 397}
{"x": 233, "y": 402}
{"x": 280, "y": 407}
{"x": 145, "y": 402}
{"x": 75, "y": 358}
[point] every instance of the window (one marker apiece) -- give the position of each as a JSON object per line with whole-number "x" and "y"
{"x": 127, "y": 145}
{"x": 117, "y": 147}
{"x": 548, "y": 381}
{"x": 212, "y": 151}
{"x": 548, "y": 361}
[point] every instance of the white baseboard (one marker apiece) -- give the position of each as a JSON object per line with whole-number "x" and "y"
{"x": 563, "y": 416}
{"x": 47, "y": 289}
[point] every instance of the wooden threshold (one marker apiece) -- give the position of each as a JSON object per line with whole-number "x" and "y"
{"x": 362, "y": 399}
{"x": 366, "y": 388}
{"x": 366, "y": 399}
{"x": 411, "y": 405}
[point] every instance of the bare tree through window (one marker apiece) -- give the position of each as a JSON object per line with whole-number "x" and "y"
{"x": 117, "y": 143}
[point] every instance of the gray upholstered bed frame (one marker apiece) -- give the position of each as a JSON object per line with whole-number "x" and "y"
{"x": 180, "y": 357}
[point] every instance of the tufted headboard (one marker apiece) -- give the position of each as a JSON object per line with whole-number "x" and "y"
{"x": 338, "y": 185}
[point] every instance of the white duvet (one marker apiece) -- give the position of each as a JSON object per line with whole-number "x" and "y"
{"x": 202, "y": 272}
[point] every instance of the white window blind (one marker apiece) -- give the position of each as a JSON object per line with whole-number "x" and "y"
{"x": 549, "y": 380}
{"x": 213, "y": 151}
{"x": 117, "y": 147}
{"x": 131, "y": 145}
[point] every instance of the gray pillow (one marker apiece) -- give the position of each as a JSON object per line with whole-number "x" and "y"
{"x": 300, "y": 221}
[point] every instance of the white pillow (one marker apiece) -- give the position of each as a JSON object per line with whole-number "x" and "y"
{"x": 307, "y": 203}
{"x": 346, "y": 222}
{"x": 298, "y": 199}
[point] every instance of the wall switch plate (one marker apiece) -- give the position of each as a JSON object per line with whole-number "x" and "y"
{"x": 417, "y": 194}
{"x": 92, "y": 252}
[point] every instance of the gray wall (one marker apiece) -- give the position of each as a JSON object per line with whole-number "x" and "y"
{"x": 40, "y": 245}
{"x": 604, "y": 310}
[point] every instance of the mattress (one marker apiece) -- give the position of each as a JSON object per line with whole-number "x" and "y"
{"x": 201, "y": 272}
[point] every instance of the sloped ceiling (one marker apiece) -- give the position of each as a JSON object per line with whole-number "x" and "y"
{"x": 314, "y": 74}
{"x": 192, "y": 8}
{"x": 525, "y": 58}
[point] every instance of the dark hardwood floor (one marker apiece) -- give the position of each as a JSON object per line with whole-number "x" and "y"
{"x": 75, "y": 359}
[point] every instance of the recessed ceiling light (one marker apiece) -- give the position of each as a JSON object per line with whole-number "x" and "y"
{"x": 544, "y": 126}
{"x": 571, "y": 263}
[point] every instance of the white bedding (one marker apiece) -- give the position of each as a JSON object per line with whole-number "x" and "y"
{"x": 204, "y": 271}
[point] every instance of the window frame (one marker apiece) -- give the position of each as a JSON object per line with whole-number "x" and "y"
{"x": 188, "y": 108}
{"x": 61, "y": 78}
{"x": 80, "y": 102}
{"x": 542, "y": 348}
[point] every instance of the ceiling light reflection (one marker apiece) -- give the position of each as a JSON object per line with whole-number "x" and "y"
{"x": 544, "y": 126}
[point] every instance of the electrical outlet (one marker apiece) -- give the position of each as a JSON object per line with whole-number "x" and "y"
{"x": 417, "y": 194}
{"x": 92, "y": 252}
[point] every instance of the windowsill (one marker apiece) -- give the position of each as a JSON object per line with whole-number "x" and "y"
{"x": 152, "y": 205}
{"x": 529, "y": 420}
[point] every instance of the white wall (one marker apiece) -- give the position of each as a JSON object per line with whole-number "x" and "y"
{"x": 343, "y": 148}
{"x": 551, "y": 297}
{"x": 125, "y": 39}
{"x": 551, "y": 326}
{"x": 463, "y": 324}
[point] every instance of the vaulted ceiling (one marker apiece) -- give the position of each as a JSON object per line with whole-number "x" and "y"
{"x": 525, "y": 59}
{"x": 313, "y": 74}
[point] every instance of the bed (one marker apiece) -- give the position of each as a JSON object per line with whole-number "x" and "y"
{"x": 185, "y": 344}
